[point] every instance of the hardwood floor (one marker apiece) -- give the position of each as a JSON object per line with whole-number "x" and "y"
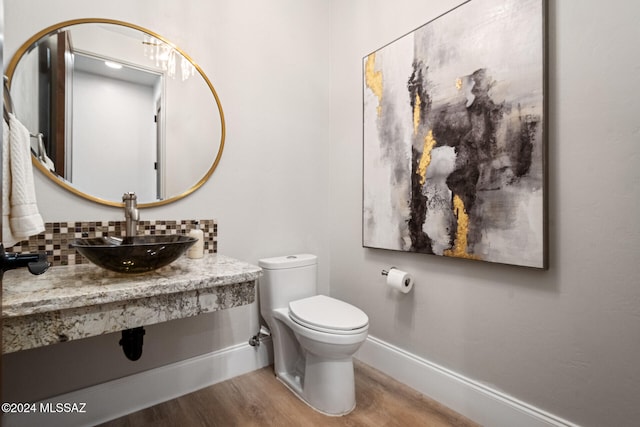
{"x": 259, "y": 399}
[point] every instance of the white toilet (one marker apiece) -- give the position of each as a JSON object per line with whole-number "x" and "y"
{"x": 314, "y": 336}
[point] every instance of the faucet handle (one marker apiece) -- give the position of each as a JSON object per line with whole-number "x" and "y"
{"x": 129, "y": 196}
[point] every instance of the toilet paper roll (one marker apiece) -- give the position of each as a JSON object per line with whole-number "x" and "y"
{"x": 400, "y": 280}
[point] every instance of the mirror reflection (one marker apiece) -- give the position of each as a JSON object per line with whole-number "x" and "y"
{"x": 115, "y": 108}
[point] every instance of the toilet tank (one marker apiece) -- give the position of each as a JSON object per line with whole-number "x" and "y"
{"x": 286, "y": 278}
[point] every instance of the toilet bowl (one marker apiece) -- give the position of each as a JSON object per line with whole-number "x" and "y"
{"x": 314, "y": 336}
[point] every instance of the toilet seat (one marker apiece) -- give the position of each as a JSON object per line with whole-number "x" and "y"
{"x": 326, "y": 314}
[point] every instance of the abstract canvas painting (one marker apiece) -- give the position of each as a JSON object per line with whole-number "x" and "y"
{"x": 454, "y": 147}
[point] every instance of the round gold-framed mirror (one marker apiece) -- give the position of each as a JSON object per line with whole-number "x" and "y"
{"x": 113, "y": 107}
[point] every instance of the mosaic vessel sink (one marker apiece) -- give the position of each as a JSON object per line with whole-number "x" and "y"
{"x": 133, "y": 255}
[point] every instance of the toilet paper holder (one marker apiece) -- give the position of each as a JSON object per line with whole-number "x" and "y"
{"x": 386, "y": 272}
{"x": 399, "y": 280}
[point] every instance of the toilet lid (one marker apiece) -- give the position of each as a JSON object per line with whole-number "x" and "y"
{"x": 327, "y": 313}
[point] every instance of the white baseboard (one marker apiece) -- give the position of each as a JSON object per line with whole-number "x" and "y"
{"x": 107, "y": 401}
{"x": 475, "y": 401}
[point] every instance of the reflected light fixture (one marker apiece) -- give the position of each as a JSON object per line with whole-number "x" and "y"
{"x": 165, "y": 58}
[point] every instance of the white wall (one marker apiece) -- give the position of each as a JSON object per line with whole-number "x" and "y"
{"x": 185, "y": 167}
{"x": 269, "y": 62}
{"x": 112, "y": 117}
{"x": 565, "y": 340}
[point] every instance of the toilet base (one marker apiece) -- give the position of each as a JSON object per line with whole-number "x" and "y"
{"x": 330, "y": 385}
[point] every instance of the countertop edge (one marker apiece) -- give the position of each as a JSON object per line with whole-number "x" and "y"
{"x": 26, "y": 295}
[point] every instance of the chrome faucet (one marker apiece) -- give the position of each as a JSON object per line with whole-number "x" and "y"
{"x": 131, "y": 213}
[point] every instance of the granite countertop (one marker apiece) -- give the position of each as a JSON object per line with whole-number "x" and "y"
{"x": 74, "y": 286}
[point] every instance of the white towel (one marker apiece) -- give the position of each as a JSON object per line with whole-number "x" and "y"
{"x": 7, "y": 236}
{"x": 21, "y": 218}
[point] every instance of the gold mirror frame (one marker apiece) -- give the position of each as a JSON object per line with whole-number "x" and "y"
{"x": 56, "y": 27}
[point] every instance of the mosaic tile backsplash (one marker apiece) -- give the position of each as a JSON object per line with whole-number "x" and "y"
{"x": 55, "y": 239}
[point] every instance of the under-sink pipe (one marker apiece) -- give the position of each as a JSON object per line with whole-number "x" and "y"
{"x": 131, "y": 342}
